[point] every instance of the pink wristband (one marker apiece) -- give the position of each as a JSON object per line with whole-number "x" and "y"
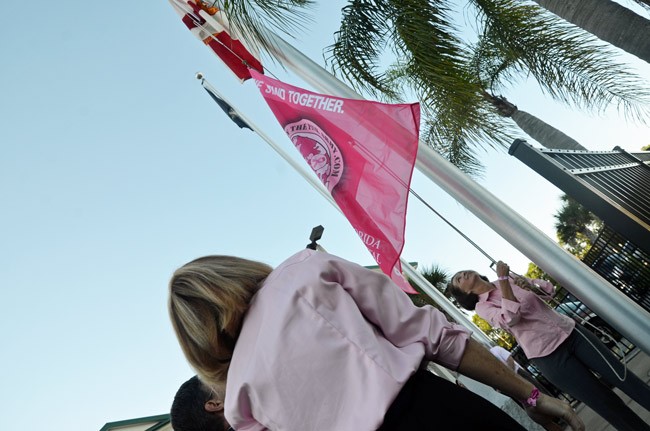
{"x": 503, "y": 277}
{"x": 532, "y": 400}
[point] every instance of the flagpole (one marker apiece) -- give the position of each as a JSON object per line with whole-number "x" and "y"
{"x": 418, "y": 278}
{"x": 620, "y": 311}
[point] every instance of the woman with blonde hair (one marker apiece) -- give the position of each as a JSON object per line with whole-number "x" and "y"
{"x": 320, "y": 343}
{"x": 208, "y": 299}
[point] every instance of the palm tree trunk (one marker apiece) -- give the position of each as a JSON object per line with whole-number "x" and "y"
{"x": 608, "y": 21}
{"x": 542, "y": 132}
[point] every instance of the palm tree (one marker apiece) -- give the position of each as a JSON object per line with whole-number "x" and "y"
{"x": 492, "y": 59}
{"x": 561, "y": 60}
{"x": 438, "y": 278}
{"x": 456, "y": 81}
{"x": 607, "y": 20}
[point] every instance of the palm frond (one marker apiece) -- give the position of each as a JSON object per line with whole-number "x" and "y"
{"x": 436, "y": 275}
{"x": 472, "y": 121}
{"x": 454, "y": 128}
{"x": 253, "y": 18}
{"x": 421, "y": 29}
{"x": 359, "y": 43}
{"x": 454, "y": 149}
{"x": 493, "y": 65}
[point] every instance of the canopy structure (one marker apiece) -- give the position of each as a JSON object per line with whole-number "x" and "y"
{"x": 615, "y": 186}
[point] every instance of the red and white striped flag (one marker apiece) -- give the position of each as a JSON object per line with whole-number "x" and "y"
{"x": 210, "y": 25}
{"x": 363, "y": 152}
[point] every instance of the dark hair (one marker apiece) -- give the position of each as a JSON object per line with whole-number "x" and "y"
{"x": 466, "y": 300}
{"x": 188, "y": 409}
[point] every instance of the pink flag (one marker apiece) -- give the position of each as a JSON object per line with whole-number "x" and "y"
{"x": 363, "y": 152}
{"x": 210, "y": 25}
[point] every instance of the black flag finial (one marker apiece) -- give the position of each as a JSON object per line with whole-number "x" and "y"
{"x": 316, "y": 234}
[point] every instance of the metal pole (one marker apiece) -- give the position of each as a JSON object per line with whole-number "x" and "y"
{"x": 422, "y": 282}
{"x": 621, "y": 312}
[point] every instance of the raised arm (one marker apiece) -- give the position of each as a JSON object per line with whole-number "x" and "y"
{"x": 507, "y": 313}
{"x": 503, "y": 272}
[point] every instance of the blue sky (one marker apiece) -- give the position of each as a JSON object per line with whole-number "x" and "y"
{"x": 116, "y": 168}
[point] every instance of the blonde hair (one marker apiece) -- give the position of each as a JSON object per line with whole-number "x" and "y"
{"x": 208, "y": 299}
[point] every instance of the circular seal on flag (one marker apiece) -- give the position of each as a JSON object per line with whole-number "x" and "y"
{"x": 318, "y": 149}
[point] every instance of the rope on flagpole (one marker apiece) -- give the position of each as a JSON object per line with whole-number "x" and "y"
{"x": 468, "y": 239}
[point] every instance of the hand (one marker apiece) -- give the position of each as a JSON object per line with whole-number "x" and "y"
{"x": 523, "y": 283}
{"x": 547, "y": 422}
{"x": 549, "y": 407}
{"x": 503, "y": 270}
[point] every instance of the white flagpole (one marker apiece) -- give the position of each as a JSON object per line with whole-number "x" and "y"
{"x": 620, "y": 311}
{"x": 422, "y": 282}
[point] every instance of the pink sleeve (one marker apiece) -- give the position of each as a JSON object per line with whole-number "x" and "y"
{"x": 503, "y": 317}
{"x": 402, "y": 323}
{"x": 545, "y": 285}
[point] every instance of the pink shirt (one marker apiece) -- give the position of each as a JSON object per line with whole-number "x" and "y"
{"x": 328, "y": 345}
{"x": 539, "y": 329}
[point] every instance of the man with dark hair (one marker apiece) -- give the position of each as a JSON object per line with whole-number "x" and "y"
{"x": 196, "y": 408}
